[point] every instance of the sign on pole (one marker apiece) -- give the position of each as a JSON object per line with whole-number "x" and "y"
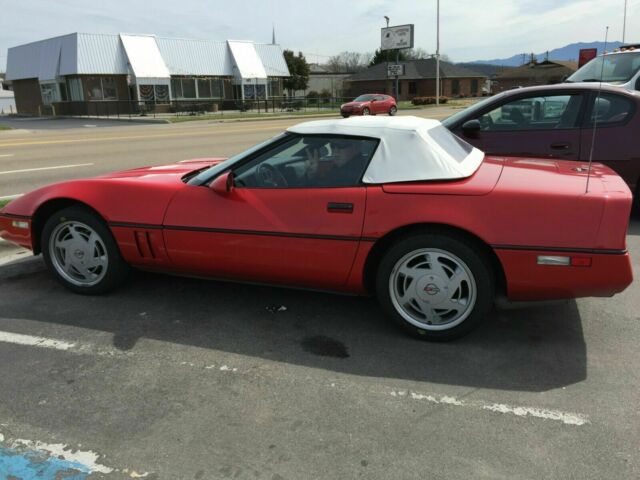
{"x": 394, "y": 38}
{"x": 586, "y": 55}
{"x": 395, "y": 70}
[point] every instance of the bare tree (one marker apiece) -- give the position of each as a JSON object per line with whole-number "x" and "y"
{"x": 348, "y": 62}
{"x": 416, "y": 54}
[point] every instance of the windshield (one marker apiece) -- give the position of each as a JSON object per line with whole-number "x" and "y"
{"x": 209, "y": 173}
{"x": 615, "y": 68}
{"x": 364, "y": 98}
{"x": 468, "y": 113}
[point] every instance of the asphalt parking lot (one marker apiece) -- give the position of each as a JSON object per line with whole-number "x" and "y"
{"x": 183, "y": 378}
{"x": 178, "y": 378}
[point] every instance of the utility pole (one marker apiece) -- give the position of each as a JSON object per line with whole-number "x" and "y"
{"x": 624, "y": 22}
{"x": 437, "y": 52}
{"x": 387, "y": 56}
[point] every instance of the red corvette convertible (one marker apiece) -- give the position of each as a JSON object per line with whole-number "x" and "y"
{"x": 396, "y": 207}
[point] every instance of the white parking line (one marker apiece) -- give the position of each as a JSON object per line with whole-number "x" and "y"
{"x": 32, "y": 341}
{"x": 6, "y": 155}
{"x": 567, "y": 418}
{"x": 45, "y": 168}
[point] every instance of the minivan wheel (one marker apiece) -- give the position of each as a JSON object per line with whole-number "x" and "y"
{"x": 435, "y": 286}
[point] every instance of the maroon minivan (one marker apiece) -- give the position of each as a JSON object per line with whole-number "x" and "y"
{"x": 557, "y": 121}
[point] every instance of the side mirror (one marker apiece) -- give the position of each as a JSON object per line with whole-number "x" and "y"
{"x": 223, "y": 184}
{"x": 471, "y": 128}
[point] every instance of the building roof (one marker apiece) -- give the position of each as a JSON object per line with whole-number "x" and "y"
{"x": 410, "y": 148}
{"x": 107, "y": 54}
{"x": 416, "y": 70}
{"x": 546, "y": 69}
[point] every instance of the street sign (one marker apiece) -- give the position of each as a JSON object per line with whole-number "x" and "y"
{"x": 586, "y": 55}
{"x": 395, "y": 38}
{"x": 395, "y": 70}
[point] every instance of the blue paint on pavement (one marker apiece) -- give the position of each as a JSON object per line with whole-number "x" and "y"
{"x": 35, "y": 465}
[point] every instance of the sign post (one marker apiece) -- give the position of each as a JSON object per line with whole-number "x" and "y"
{"x": 396, "y": 38}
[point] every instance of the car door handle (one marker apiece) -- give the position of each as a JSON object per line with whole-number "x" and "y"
{"x": 560, "y": 146}
{"x": 337, "y": 207}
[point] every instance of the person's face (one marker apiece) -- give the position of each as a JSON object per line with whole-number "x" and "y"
{"x": 343, "y": 152}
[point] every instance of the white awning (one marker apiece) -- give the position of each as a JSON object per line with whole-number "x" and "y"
{"x": 246, "y": 60}
{"x": 144, "y": 57}
{"x": 411, "y": 148}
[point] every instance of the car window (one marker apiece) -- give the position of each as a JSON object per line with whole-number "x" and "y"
{"x": 610, "y": 109}
{"x": 309, "y": 161}
{"x": 534, "y": 113}
{"x": 380, "y": 98}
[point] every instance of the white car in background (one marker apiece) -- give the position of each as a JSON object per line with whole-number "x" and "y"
{"x": 621, "y": 68}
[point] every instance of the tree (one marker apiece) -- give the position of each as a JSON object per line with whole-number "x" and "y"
{"x": 416, "y": 54}
{"x": 349, "y": 62}
{"x": 382, "y": 56}
{"x": 299, "y": 70}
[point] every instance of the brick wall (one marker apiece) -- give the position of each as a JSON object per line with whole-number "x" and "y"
{"x": 27, "y": 96}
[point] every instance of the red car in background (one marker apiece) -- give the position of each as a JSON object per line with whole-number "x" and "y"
{"x": 370, "y": 104}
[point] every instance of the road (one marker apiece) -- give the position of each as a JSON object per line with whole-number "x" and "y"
{"x": 54, "y": 150}
{"x": 175, "y": 378}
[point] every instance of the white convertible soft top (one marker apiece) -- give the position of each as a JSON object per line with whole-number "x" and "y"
{"x": 410, "y": 149}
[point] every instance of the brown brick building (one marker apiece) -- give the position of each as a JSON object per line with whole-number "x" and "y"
{"x": 419, "y": 80}
{"x": 543, "y": 73}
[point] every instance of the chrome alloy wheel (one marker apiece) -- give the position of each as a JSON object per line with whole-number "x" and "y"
{"x": 78, "y": 253}
{"x": 432, "y": 289}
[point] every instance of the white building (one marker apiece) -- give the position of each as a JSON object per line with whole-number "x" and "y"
{"x": 73, "y": 71}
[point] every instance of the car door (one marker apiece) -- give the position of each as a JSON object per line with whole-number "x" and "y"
{"x": 617, "y": 139}
{"x": 278, "y": 224}
{"x": 382, "y": 104}
{"x": 535, "y": 125}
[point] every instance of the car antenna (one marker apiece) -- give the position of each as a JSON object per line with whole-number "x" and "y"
{"x": 595, "y": 112}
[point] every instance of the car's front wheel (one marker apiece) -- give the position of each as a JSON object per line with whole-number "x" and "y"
{"x": 345, "y": 115}
{"x": 437, "y": 287}
{"x": 366, "y": 111}
{"x": 81, "y": 253}
{"x": 393, "y": 110}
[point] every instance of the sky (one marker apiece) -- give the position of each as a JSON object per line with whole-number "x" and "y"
{"x": 469, "y": 29}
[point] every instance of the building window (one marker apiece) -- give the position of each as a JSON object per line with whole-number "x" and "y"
{"x": 413, "y": 88}
{"x": 474, "y": 86}
{"x": 207, "y": 88}
{"x": 162, "y": 93}
{"x": 275, "y": 89}
{"x": 204, "y": 88}
{"x": 455, "y": 87}
{"x": 100, "y": 88}
{"x": 146, "y": 93}
{"x": 64, "y": 96}
{"x": 75, "y": 89}
{"x": 49, "y": 93}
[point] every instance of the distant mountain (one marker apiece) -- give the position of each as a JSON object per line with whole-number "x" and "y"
{"x": 568, "y": 52}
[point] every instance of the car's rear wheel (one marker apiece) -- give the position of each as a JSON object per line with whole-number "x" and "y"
{"x": 366, "y": 111}
{"x": 437, "y": 287}
{"x": 393, "y": 110}
{"x": 81, "y": 253}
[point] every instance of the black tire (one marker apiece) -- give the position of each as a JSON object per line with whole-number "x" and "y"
{"x": 345, "y": 115}
{"x": 477, "y": 265}
{"x": 366, "y": 111}
{"x": 393, "y": 110}
{"x": 116, "y": 269}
